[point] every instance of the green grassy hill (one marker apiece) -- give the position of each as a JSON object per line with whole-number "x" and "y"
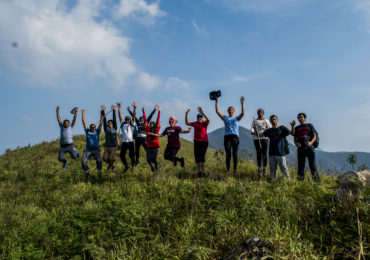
{"x": 48, "y": 212}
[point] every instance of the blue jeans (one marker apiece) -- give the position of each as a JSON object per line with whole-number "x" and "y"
{"x": 309, "y": 153}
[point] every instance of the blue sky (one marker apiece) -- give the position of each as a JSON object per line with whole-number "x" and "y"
{"x": 286, "y": 56}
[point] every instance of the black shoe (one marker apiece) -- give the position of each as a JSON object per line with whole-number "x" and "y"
{"x": 113, "y": 167}
{"x": 203, "y": 175}
{"x": 182, "y": 162}
{"x": 174, "y": 163}
{"x": 125, "y": 169}
{"x": 87, "y": 176}
{"x": 109, "y": 166}
{"x": 199, "y": 175}
{"x": 137, "y": 162}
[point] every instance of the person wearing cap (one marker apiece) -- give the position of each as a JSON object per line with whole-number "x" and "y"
{"x": 152, "y": 130}
{"x": 92, "y": 146}
{"x": 231, "y": 136}
{"x": 140, "y": 133}
{"x": 200, "y": 139}
{"x": 261, "y": 143}
{"x": 128, "y": 127}
{"x": 173, "y": 146}
{"x": 66, "y": 138}
{"x": 110, "y": 146}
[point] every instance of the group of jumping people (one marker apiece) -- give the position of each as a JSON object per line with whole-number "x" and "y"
{"x": 133, "y": 132}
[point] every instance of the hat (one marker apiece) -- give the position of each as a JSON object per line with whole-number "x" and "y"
{"x": 215, "y": 94}
{"x": 73, "y": 111}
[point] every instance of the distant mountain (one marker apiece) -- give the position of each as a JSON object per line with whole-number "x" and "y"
{"x": 334, "y": 162}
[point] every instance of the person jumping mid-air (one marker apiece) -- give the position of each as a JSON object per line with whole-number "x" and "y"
{"x": 152, "y": 149}
{"x": 110, "y": 146}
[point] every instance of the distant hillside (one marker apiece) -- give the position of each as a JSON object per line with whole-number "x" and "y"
{"x": 334, "y": 162}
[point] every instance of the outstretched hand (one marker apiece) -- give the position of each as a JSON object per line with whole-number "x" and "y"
{"x": 143, "y": 110}
{"x": 119, "y": 105}
{"x": 200, "y": 110}
{"x": 102, "y": 108}
{"x": 242, "y": 99}
{"x": 159, "y": 109}
{"x": 75, "y": 110}
{"x": 83, "y": 111}
{"x": 128, "y": 108}
{"x": 156, "y": 107}
{"x": 292, "y": 123}
{"x": 113, "y": 107}
{"x": 187, "y": 111}
{"x": 58, "y": 108}
{"x": 134, "y": 104}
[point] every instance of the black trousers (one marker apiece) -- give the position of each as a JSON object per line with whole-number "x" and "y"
{"x": 200, "y": 149}
{"x": 139, "y": 141}
{"x": 261, "y": 151}
{"x": 170, "y": 154}
{"x": 151, "y": 156}
{"x": 231, "y": 143}
{"x": 302, "y": 154}
{"x": 131, "y": 153}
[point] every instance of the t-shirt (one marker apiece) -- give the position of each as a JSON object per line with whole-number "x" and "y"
{"x": 127, "y": 131}
{"x": 173, "y": 134}
{"x": 302, "y": 134}
{"x": 92, "y": 139}
{"x": 231, "y": 125}
{"x": 262, "y": 126}
{"x": 110, "y": 137}
{"x": 277, "y": 142}
{"x": 200, "y": 131}
{"x": 66, "y": 136}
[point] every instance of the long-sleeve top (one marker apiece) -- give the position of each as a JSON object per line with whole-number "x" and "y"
{"x": 141, "y": 125}
{"x": 152, "y": 141}
{"x": 110, "y": 132}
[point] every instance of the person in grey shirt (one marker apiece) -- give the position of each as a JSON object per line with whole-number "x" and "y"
{"x": 111, "y": 144}
{"x": 66, "y": 138}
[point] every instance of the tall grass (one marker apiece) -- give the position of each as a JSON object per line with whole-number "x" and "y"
{"x": 47, "y": 212}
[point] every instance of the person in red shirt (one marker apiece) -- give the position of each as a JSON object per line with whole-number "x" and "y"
{"x": 200, "y": 139}
{"x": 152, "y": 142}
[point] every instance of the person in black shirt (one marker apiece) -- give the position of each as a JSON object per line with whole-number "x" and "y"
{"x": 110, "y": 146}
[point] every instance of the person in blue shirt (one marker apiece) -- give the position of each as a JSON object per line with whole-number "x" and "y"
{"x": 66, "y": 138}
{"x": 231, "y": 136}
{"x": 304, "y": 137}
{"x": 92, "y": 146}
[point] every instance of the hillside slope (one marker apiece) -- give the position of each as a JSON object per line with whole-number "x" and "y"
{"x": 333, "y": 162}
{"x": 47, "y": 212}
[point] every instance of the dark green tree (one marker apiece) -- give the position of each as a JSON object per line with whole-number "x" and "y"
{"x": 352, "y": 160}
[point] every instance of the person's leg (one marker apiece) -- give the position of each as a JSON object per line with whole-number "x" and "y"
{"x": 203, "y": 157}
{"x": 84, "y": 160}
{"x": 62, "y": 153}
{"x": 176, "y": 159}
{"x": 167, "y": 154}
{"x": 112, "y": 156}
{"x": 131, "y": 153}
{"x": 106, "y": 155}
{"x": 73, "y": 151}
{"x": 99, "y": 163}
{"x": 301, "y": 154}
{"x": 227, "y": 145}
{"x": 258, "y": 153}
{"x": 155, "y": 155}
{"x": 264, "y": 143}
{"x": 150, "y": 158}
{"x": 235, "y": 146}
{"x": 281, "y": 160}
{"x": 197, "y": 155}
{"x": 312, "y": 163}
{"x": 137, "y": 149}
{"x": 273, "y": 166}
{"x": 122, "y": 155}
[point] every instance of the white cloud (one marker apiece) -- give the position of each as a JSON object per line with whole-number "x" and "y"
{"x": 200, "y": 30}
{"x": 147, "y": 81}
{"x": 56, "y": 45}
{"x": 258, "y": 6}
{"x": 176, "y": 83}
{"x": 140, "y": 10}
{"x": 26, "y": 118}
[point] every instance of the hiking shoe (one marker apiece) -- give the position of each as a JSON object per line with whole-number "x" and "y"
{"x": 65, "y": 164}
{"x": 264, "y": 171}
{"x": 199, "y": 175}
{"x": 137, "y": 162}
{"x": 125, "y": 169}
{"x": 113, "y": 167}
{"x": 182, "y": 162}
{"x": 109, "y": 166}
{"x": 203, "y": 175}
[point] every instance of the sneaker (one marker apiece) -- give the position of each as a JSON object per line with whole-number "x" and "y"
{"x": 65, "y": 164}
{"x": 259, "y": 172}
{"x": 199, "y": 175}
{"x": 109, "y": 166}
{"x": 264, "y": 171}
{"x": 125, "y": 169}
{"x": 137, "y": 162}
{"x": 203, "y": 175}
{"x": 182, "y": 162}
{"x": 113, "y": 167}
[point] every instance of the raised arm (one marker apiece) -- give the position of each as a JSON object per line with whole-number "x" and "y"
{"x": 102, "y": 114}
{"x": 292, "y": 130}
{"x": 185, "y": 131}
{"x": 144, "y": 115}
{"x": 74, "y": 116}
{"x": 131, "y": 114}
{"x": 152, "y": 113}
{"x": 100, "y": 122}
{"x": 158, "y": 116}
{"x": 119, "y": 112}
{"x": 58, "y": 116}
{"x": 200, "y": 110}
{"x": 187, "y": 117}
{"x": 134, "y": 114}
{"x": 242, "y": 99}
{"x": 83, "y": 119}
{"x": 217, "y": 110}
{"x": 114, "y": 117}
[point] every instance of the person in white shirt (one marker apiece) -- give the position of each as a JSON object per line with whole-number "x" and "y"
{"x": 127, "y": 127}
{"x": 260, "y": 142}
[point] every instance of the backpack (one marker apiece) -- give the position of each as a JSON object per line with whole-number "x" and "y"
{"x": 286, "y": 146}
{"x": 317, "y": 141}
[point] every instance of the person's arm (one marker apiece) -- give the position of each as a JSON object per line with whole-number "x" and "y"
{"x": 102, "y": 114}
{"x": 310, "y": 143}
{"x": 292, "y": 131}
{"x": 200, "y": 110}
{"x": 185, "y": 131}
{"x": 119, "y": 112}
{"x": 74, "y": 116}
{"x": 242, "y": 99}
{"x": 114, "y": 117}
{"x": 100, "y": 122}
{"x": 187, "y": 118}
{"x": 158, "y": 117}
{"x": 131, "y": 114}
{"x": 254, "y": 128}
{"x": 145, "y": 120}
{"x": 217, "y": 110}
{"x": 152, "y": 113}
{"x": 58, "y": 116}
{"x": 134, "y": 114}
{"x": 83, "y": 119}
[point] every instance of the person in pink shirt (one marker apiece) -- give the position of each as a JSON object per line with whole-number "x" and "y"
{"x": 200, "y": 139}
